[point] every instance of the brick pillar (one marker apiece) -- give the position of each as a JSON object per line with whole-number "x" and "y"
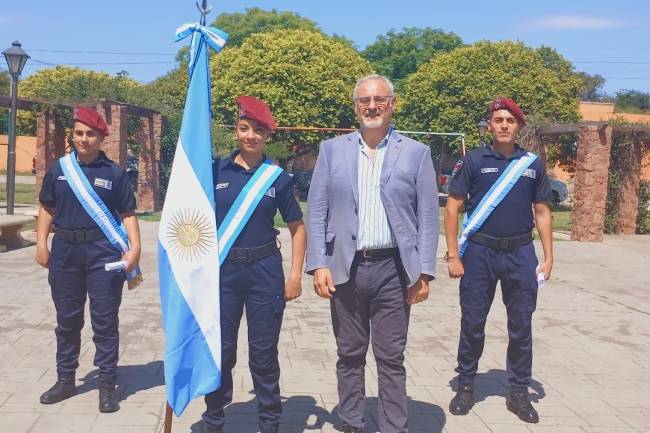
{"x": 627, "y": 202}
{"x": 116, "y": 118}
{"x": 148, "y": 165}
{"x": 50, "y": 145}
{"x": 590, "y": 190}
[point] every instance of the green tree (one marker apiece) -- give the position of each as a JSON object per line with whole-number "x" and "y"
{"x": 5, "y": 83}
{"x": 592, "y": 87}
{"x": 64, "y": 84}
{"x": 400, "y": 53}
{"x": 632, "y": 101}
{"x": 452, "y": 91}
{"x": 306, "y": 78}
{"x": 255, "y": 20}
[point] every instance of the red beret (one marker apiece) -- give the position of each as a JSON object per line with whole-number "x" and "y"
{"x": 254, "y": 109}
{"x": 503, "y": 103}
{"x": 92, "y": 118}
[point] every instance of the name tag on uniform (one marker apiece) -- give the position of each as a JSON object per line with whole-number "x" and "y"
{"x": 270, "y": 192}
{"x": 490, "y": 170}
{"x": 60, "y": 178}
{"x": 222, "y": 185}
{"x": 530, "y": 173}
{"x": 103, "y": 183}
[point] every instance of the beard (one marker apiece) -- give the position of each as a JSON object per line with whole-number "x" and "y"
{"x": 377, "y": 122}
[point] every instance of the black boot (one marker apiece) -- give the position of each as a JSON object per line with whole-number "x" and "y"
{"x": 108, "y": 399}
{"x": 210, "y": 428}
{"x": 519, "y": 404}
{"x": 62, "y": 389}
{"x": 463, "y": 401}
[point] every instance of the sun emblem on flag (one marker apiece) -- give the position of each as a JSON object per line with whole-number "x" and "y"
{"x": 191, "y": 234}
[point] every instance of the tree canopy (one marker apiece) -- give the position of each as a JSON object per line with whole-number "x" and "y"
{"x": 452, "y": 91}
{"x": 256, "y": 20}
{"x": 399, "y": 53}
{"x": 5, "y": 83}
{"x": 306, "y": 78}
{"x": 632, "y": 101}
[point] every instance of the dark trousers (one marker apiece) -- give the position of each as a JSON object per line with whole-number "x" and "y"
{"x": 259, "y": 287}
{"x": 77, "y": 271}
{"x": 516, "y": 271}
{"x": 372, "y": 304}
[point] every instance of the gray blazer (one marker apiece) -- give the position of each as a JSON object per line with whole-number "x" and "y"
{"x": 408, "y": 191}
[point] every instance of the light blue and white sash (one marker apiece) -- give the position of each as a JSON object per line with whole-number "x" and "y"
{"x": 492, "y": 198}
{"x": 96, "y": 208}
{"x": 244, "y": 206}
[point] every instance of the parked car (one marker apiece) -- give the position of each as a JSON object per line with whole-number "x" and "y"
{"x": 559, "y": 190}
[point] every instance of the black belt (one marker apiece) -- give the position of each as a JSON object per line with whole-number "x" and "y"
{"x": 252, "y": 254}
{"x": 381, "y": 253}
{"x": 79, "y": 236}
{"x": 502, "y": 244}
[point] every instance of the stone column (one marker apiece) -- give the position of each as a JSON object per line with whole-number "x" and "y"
{"x": 50, "y": 144}
{"x": 148, "y": 198}
{"x": 627, "y": 202}
{"x": 590, "y": 191}
{"x": 117, "y": 120}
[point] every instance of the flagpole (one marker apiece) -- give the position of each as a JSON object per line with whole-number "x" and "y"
{"x": 168, "y": 419}
{"x": 167, "y": 428}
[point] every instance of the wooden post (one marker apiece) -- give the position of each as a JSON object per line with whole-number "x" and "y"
{"x": 168, "y": 419}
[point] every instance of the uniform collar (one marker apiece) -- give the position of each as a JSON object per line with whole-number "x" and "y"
{"x": 230, "y": 161}
{"x": 488, "y": 151}
{"x": 102, "y": 159}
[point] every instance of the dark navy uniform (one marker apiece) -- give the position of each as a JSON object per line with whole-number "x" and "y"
{"x": 76, "y": 266}
{"x": 257, "y": 285}
{"x": 484, "y": 265}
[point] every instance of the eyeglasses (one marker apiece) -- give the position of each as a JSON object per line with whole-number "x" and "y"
{"x": 382, "y": 101}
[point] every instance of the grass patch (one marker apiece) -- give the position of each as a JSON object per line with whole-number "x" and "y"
{"x": 562, "y": 220}
{"x": 24, "y": 193}
{"x": 149, "y": 216}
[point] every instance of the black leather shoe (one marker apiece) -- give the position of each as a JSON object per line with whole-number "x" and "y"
{"x": 209, "y": 428}
{"x": 519, "y": 404}
{"x": 463, "y": 400}
{"x": 348, "y": 429}
{"x": 62, "y": 389}
{"x": 108, "y": 402}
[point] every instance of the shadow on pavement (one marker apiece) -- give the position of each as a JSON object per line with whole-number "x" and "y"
{"x": 132, "y": 379}
{"x": 302, "y": 414}
{"x": 494, "y": 382}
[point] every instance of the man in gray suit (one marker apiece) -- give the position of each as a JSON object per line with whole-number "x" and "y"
{"x": 372, "y": 238}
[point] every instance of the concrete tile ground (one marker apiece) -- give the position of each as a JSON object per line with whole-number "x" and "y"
{"x": 592, "y": 343}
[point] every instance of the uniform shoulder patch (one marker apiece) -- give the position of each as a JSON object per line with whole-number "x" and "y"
{"x": 457, "y": 168}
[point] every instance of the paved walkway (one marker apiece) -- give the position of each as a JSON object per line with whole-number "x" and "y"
{"x": 591, "y": 370}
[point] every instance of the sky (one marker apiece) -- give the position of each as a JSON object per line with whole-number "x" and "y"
{"x": 598, "y": 36}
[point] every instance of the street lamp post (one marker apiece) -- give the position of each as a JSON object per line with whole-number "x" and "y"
{"x": 16, "y": 58}
{"x": 482, "y": 129}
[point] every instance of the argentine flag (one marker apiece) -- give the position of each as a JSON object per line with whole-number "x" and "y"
{"x": 188, "y": 259}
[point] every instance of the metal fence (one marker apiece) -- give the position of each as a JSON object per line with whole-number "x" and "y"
{"x": 4, "y": 126}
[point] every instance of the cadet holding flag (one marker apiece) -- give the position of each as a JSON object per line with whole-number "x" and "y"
{"x": 507, "y": 193}
{"x": 249, "y": 190}
{"x": 84, "y": 195}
